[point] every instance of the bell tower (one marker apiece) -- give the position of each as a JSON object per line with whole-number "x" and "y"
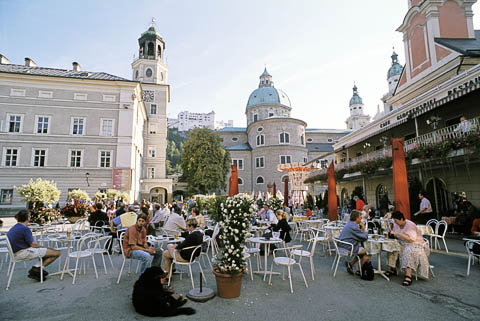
{"x": 150, "y": 67}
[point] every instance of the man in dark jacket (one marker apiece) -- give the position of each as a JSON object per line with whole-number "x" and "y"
{"x": 98, "y": 215}
{"x": 193, "y": 238}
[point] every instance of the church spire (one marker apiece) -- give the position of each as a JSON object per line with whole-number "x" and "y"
{"x": 265, "y": 79}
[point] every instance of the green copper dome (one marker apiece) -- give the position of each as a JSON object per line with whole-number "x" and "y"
{"x": 396, "y": 68}
{"x": 356, "y": 99}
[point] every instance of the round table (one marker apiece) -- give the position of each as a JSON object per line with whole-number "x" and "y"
{"x": 373, "y": 246}
{"x": 262, "y": 240}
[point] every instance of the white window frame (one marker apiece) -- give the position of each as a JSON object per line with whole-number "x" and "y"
{"x": 238, "y": 160}
{"x": 15, "y": 92}
{"x": 35, "y": 129}
{"x": 261, "y": 160}
{"x": 256, "y": 180}
{"x": 80, "y": 96}
{"x": 151, "y": 170}
{"x": 284, "y": 138}
{"x": 84, "y": 126}
{"x": 109, "y": 98}
{"x": 4, "y": 158}
{"x": 45, "y": 94}
{"x": 239, "y": 181}
{"x": 21, "y": 123}
{"x": 70, "y": 158}
{"x": 156, "y": 109}
{"x": 259, "y": 140}
{"x": 102, "y": 133}
{"x": 1, "y": 196}
{"x": 100, "y": 158}
{"x": 309, "y": 140}
{"x": 33, "y": 157}
{"x": 152, "y": 151}
{"x": 285, "y": 156}
{"x": 255, "y": 117}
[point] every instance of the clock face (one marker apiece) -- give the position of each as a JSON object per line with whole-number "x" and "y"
{"x": 148, "y": 73}
{"x": 148, "y": 96}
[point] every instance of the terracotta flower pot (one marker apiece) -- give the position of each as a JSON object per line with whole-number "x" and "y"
{"x": 228, "y": 285}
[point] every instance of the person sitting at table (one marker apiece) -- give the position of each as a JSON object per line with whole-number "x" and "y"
{"x": 24, "y": 246}
{"x": 175, "y": 222}
{"x": 135, "y": 244}
{"x": 123, "y": 221}
{"x": 391, "y": 209}
{"x": 282, "y": 226}
{"x": 199, "y": 217}
{"x": 413, "y": 253}
{"x": 308, "y": 212}
{"x": 193, "y": 238}
{"x": 98, "y": 215}
{"x": 354, "y": 232}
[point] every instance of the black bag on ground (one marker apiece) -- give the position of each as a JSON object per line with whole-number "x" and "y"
{"x": 367, "y": 271}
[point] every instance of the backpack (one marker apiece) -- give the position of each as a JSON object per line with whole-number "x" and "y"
{"x": 367, "y": 271}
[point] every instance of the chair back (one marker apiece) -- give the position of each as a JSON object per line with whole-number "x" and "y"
{"x": 469, "y": 246}
{"x": 432, "y": 226}
{"x": 10, "y": 250}
{"x": 216, "y": 230}
{"x": 343, "y": 250}
{"x": 195, "y": 249}
{"x": 102, "y": 242}
{"x": 87, "y": 242}
{"x": 441, "y": 228}
{"x": 122, "y": 235}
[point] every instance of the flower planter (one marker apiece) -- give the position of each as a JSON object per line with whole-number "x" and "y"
{"x": 73, "y": 219}
{"x": 228, "y": 285}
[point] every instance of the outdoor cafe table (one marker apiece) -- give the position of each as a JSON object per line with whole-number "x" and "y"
{"x": 262, "y": 240}
{"x": 373, "y": 246}
{"x": 69, "y": 242}
{"x": 258, "y": 229}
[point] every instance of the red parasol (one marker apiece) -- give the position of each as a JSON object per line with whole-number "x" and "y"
{"x": 332, "y": 194}
{"x": 233, "y": 181}
{"x": 400, "y": 182}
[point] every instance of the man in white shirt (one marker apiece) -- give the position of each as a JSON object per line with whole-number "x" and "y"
{"x": 269, "y": 215}
{"x": 464, "y": 127}
{"x": 175, "y": 223}
{"x": 425, "y": 209}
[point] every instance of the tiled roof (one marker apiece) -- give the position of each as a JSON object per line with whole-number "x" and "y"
{"x": 320, "y": 147}
{"x": 464, "y": 46}
{"x": 53, "y": 72}
{"x": 245, "y": 146}
{"x": 232, "y": 129}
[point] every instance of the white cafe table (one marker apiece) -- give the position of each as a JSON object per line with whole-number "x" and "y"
{"x": 170, "y": 239}
{"x": 69, "y": 243}
{"x": 373, "y": 246}
{"x": 262, "y": 240}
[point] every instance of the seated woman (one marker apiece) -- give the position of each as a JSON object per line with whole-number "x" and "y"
{"x": 412, "y": 252}
{"x": 282, "y": 226}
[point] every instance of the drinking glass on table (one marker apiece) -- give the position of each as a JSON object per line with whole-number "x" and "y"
{"x": 276, "y": 235}
{"x": 69, "y": 233}
{"x": 176, "y": 236}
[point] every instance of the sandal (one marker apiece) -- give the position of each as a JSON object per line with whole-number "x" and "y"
{"x": 407, "y": 281}
{"x": 349, "y": 267}
{"x": 391, "y": 273}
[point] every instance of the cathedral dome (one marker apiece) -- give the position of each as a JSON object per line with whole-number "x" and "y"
{"x": 396, "y": 68}
{"x": 356, "y": 99}
{"x": 268, "y": 96}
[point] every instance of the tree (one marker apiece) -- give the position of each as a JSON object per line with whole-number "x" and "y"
{"x": 39, "y": 191}
{"x": 205, "y": 163}
{"x": 78, "y": 195}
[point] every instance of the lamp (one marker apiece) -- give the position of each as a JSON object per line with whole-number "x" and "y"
{"x": 384, "y": 140}
{"x": 87, "y": 174}
{"x": 366, "y": 145}
{"x": 434, "y": 121}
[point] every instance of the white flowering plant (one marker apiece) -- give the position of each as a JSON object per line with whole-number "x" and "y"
{"x": 237, "y": 213}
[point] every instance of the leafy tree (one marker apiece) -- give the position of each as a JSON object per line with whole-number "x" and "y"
{"x": 175, "y": 141}
{"x": 39, "y": 191}
{"x": 205, "y": 163}
{"x": 78, "y": 195}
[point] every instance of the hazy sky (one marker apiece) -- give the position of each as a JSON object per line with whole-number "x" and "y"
{"x": 216, "y": 50}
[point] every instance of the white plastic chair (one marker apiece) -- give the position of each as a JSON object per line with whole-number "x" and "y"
{"x": 208, "y": 241}
{"x": 85, "y": 248}
{"x": 471, "y": 256}
{"x": 195, "y": 249}
{"x": 309, "y": 254}
{"x": 13, "y": 261}
{"x": 122, "y": 234}
{"x": 287, "y": 261}
{"x": 438, "y": 235}
{"x": 246, "y": 255}
{"x": 342, "y": 252}
{"x": 101, "y": 248}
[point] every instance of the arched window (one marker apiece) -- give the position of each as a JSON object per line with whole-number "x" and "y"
{"x": 159, "y": 51}
{"x": 284, "y": 138}
{"x": 285, "y": 178}
{"x": 260, "y": 140}
{"x": 260, "y": 180}
{"x": 136, "y": 74}
{"x": 240, "y": 181}
{"x": 302, "y": 139}
{"x": 150, "y": 50}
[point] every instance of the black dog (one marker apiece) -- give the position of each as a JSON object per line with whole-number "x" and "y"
{"x": 151, "y": 298}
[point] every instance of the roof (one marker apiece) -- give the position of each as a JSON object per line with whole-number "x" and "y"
{"x": 396, "y": 68}
{"x": 268, "y": 96}
{"x": 356, "y": 99}
{"x": 53, "y": 72}
{"x": 232, "y": 129}
{"x": 265, "y": 73}
{"x": 327, "y": 131}
{"x": 320, "y": 147}
{"x": 462, "y": 45}
{"x": 245, "y": 146}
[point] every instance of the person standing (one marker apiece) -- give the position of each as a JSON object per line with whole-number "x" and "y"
{"x": 425, "y": 211}
{"x": 359, "y": 203}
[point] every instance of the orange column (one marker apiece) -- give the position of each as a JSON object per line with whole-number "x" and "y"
{"x": 400, "y": 182}
{"x": 332, "y": 194}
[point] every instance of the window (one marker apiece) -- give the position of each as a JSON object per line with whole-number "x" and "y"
{"x": 151, "y": 172}
{"x": 42, "y": 124}
{"x": 15, "y": 123}
{"x": 6, "y": 196}
{"x": 153, "y": 109}
{"x": 240, "y": 181}
{"x": 106, "y": 127}
{"x": 260, "y": 140}
{"x": 330, "y": 140}
{"x": 260, "y": 180}
{"x": 284, "y": 138}
{"x": 78, "y": 96}
{"x": 239, "y": 163}
{"x": 270, "y": 114}
{"x": 285, "y": 159}
{"x": 153, "y": 129}
{"x": 17, "y": 92}
{"x": 234, "y": 139}
{"x": 45, "y": 94}
{"x": 259, "y": 129}
{"x": 39, "y": 157}
{"x": 149, "y": 72}
{"x": 75, "y": 158}
{"x": 309, "y": 140}
{"x": 302, "y": 140}
{"x": 260, "y": 162}
{"x": 109, "y": 98}
{"x": 10, "y": 158}
{"x": 78, "y": 126}
{"x": 152, "y": 151}
{"x": 255, "y": 117}
{"x": 105, "y": 158}
{"x": 305, "y": 159}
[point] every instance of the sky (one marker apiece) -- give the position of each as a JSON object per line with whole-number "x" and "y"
{"x": 216, "y": 49}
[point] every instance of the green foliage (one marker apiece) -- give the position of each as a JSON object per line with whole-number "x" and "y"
{"x": 99, "y": 196}
{"x": 113, "y": 194}
{"x": 125, "y": 196}
{"x": 78, "y": 195}
{"x": 44, "y": 215}
{"x": 39, "y": 191}
{"x": 175, "y": 141}
{"x": 199, "y": 202}
{"x": 205, "y": 163}
{"x": 309, "y": 203}
{"x": 260, "y": 203}
{"x": 213, "y": 206}
{"x": 275, "y": 204}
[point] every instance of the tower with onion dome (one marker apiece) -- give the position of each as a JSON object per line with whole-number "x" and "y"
{"x": 357, "y": 118}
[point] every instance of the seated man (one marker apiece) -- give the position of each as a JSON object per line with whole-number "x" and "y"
{"x": 269, "y": 215}
{"x": 24, "y": 247}
{"x": 121, "y": 222}
{"x": 98, "y": 215}
{"x": 192, "y": 239}
{"x": 413, "y": 254}
{"x": 159, "y": 216}
{"x": 354, "y": 232}
{"x": 135, "y": 243}
{"x": 175, "y": 222}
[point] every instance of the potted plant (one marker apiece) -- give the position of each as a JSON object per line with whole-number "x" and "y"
{"x": 44, "y": 215}
{"x": 237, "y": 212}
{"x": 76, "y": 208}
